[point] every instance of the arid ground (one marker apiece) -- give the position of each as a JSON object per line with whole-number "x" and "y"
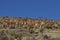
{"x": 29, "y": 29}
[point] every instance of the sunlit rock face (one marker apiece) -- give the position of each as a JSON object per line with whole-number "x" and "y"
{"x": 29, "y": 29}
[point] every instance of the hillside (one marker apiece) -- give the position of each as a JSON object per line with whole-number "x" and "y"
{"x": 13, "y": 28}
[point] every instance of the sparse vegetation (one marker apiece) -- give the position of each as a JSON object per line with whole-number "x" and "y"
{"x": 17, "y": 28}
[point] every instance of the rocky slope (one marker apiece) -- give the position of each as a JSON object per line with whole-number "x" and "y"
{"x": 29, "y": 29}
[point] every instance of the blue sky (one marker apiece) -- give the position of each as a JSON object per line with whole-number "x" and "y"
{"x": 31, "y": 8}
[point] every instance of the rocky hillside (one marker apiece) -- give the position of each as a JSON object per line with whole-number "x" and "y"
{"x": 12, "y": 28}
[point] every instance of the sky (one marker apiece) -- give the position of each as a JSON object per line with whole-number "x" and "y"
{"x": 31, "y": 8}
